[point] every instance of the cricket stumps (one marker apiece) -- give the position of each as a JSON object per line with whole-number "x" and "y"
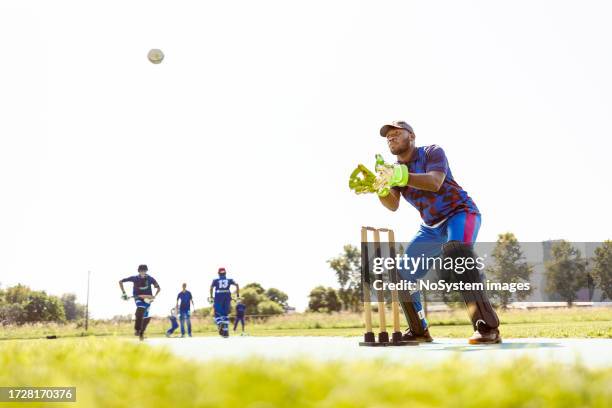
{"x": 369, "y": 338}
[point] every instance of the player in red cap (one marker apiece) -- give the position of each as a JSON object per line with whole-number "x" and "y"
{"x": 221, "y": 298}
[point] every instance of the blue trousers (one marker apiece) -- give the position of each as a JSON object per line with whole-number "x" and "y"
{"x": 428, "y": 243}
{"x": 174, "y": 325}
{"x": 239, "y": 318}
{"x": 185, "y": 316}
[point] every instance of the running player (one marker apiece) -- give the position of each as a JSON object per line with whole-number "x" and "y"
{"x": 143, "y": 296}
{"x": 222, "y": 300}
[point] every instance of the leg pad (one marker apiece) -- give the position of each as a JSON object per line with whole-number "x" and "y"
{"x": 477, "y": 302}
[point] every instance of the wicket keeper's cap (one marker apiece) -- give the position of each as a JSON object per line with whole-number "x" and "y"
{"x": 142, "y": 268}
{"x": 396, "y": 124}
{"x": 221, "y": 270}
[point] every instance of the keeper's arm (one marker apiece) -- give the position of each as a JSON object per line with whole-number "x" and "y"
{"x": 430, "y": 181}
{"x": 391, "y": 201}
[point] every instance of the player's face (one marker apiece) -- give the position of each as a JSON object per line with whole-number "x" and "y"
{"x": 142, "y": 273}
{"x": 399, "y": 140}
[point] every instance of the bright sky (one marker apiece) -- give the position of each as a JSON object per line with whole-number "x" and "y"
{"x": 236, "y": 150}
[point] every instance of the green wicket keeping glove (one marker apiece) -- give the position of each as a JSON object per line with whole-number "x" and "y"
{"x": 390, "y": 175}
{"x": 362, "y": 180}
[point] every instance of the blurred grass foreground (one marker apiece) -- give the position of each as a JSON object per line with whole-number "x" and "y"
{"x": 111, "y": 372}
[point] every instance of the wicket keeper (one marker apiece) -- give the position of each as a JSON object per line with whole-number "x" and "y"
{"x": 450, "y": 223}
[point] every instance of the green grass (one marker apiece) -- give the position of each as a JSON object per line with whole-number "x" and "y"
{"x": 556, "y": 323}
{"x": 116, "y": 373}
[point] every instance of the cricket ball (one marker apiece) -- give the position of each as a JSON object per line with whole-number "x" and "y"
{"x": 156, "y": 56}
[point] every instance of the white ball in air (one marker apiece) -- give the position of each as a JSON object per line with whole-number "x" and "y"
{"x": 156, "y": 56}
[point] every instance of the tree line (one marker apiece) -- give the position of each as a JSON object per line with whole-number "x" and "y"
{"x": 19, "y": 304}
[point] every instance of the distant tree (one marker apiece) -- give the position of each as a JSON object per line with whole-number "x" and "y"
{"x": 72, "y": 309}
{"x": 269, "y": 307}
{"x": 510, "y": 267}
{"x": 13, "y": 313}
{"x": 333, "y": 300}
{"x": 55, "y": 308}
{"x": 202, "y": 312}
{"x": 20, "y": 304}
{"x": 278, "y": 296}
{"x": 347, "y": 267}
{"x": 602, "y": 270}
{"x": 44, "y": 308}
{"x": 350, "y": 299}
{"x": 17, "y": 294}
{"x": 565, "y": 272}
{"x": 251, "y": 297}
{"x": 254, "y": 297}
{"x": 256, "y": 286}
{"x": 323, "y": 299}
{"x": 316, "y": 299}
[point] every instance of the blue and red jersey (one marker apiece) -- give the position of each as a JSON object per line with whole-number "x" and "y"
{"x": 451, "y": 199}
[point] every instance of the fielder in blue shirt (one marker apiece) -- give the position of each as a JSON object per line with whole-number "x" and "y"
{"x": 186, "y": 301}
{"x": 240, "y": 310}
